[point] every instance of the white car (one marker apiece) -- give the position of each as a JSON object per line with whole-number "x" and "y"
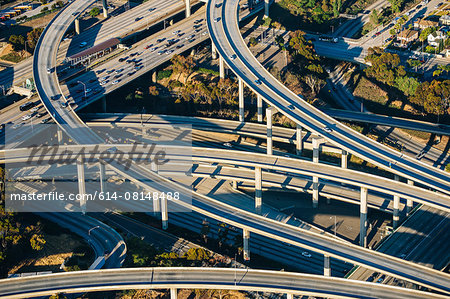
{"x": 153, "y": 49}
{"x": 227, "y": 144}
{"x": 83, "y": 44}
{"x": 233, "y": 57}
{"x": 26, "y": 117}
{"x": 17, "y": 126}
{"x": 169, "y": 52}
{"x": 328, "y": 129}
{"x": 34, "y": 109}
{"x": 216, "y": 20}
{"x": 306, "y": 254}
{"x": 88, "y": 90}
{"x": 258, "y": 82}
{"x": 115, "y": 82}
{"x": 176, "y": 32}
{"x": 103, "y": 82}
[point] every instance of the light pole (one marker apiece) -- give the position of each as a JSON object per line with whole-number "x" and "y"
{"x": 3, "y": 88}
{"x": 334, "y": 225}
{"x": 91, "y": 229}
{"x": 84, "y": 85}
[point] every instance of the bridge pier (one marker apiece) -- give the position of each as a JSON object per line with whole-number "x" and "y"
{"x": 409, "y": 202}
{"x": 258, "y": 189}
{"x": 316, "y": 142}
{"x": 173, "y": 293}
{"x": 326, "y": 266}
{"x": 266, "y": 8}
{"x": 105, "y": 8}
{"x": 344, "y": 159}
{"x": 213, "y": 51}
{"x": 188, "y": 8}
{"x": 269, "y": 113}
{"x": 396, "y": 216}
{"x": 59, "y": 135}
{"x": 299, "y": 140}
{"x": 154, "y": 76}
{"x": 259, "y": 106}
{"x": 164, "y": 213}
{"x": 104, "y": 104}
{"x": 77, "y": 26}
{"x": 81, "y": 184}
{"x": 234, "y": 185}
{"x": 363, "y": 218}
{"x": 241, "y": 100}
{"x": 102, "y": 170}
{"x": 289, "y": 296}
{"x": 221, "y": 67}
{"x": 246, "y": 238}
{"x": 315, "y": 197}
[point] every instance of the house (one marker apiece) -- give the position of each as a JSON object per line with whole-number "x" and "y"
{"x": 444, "y": 20}
{"x": 434, "y": 38}
{"x": 407, "y": 36}
{"x": 422, "y": 23}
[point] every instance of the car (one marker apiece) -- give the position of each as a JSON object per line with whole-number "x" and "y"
{"x": 137, "y": 61}
{"x": 151, "y": 9}
{"x": 130, "y": 60}
{"x": 137, "y": 68}
{"x": 17, "y": 126}
{"x": 292, "y": 107}
{"x": 133, "y": 54}
{"x": 176, "y": 32}
{"x": 160, "y": 40}
{"x": 88, "y": 90}
{"x": 115, "y": 82}
{"x": 117, "y": 76}
{"x": 54, "y": 98}
{"x": 216, "y": 19}
{"x": 73, "y": 84}
{"x": 190, "y": 36}
{"x": 104, "y": 78}
{"x": 180, "y": 34}
{"x": 233, "y": 57}
{"x": 169, "y": 52}
{"x": 197, "y": 26}
{"x": 110, "y": 71}
{"x": 26, "y": 117}
{"x": 258, "y": 82}
{"x": 198, "y": 29}
{"x": 205, "y": 33}
{"x": 96, "y": 91}
{"x": 79, "y": 90}
{"x": 123, "y": 59}
{"x": 328, "y": 129}
{"x": 92, "y": 80}
{"x": 191, "y": 40}
{"x": 103, "y": 82}
{"x": 49, "y": 70}
{"x": 148, "y": 46}
{"x": 46, "y": 120}
{"x": 306, "y": 254}
{"x": 131, "y": 73}
{"x": 153, "y": 49}
{"x": 180, "y": 46}
{"x": 119, "y": 71}
{"x": 63, "y": 105}
{"x": 381, "y": 279}
{"x": 161, "y": 52}
{"x": 34, "y": 109}
{"x": 111, "y": 150}
{"x": 39, "y": 115}
{"x": 139, "y": 53}
{"x": 227, "y": 144}
{"x": 218, "y": 5}
{"x": 138, "y": 19}
{"x": 198, "y": 21}
{"x": 83, "y": 44}
{"x": 370, "y": 279}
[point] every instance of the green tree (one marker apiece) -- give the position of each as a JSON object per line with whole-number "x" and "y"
{"x": 407, "y": 85}
{"x": 33, "y": 37}
{"x": 253, "y": 41}
{"x": 94, "y": 12}
{"x": 396, "y": 5}
{"x": 414, "y": 63}
{"x": 17, "y": 42}
{"x": 375, "y": 17}
{"x": 299, "y": 46}
{"x": 425, "y": 32}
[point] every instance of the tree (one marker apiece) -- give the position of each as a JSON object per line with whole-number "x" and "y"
{"x": 427, "y": 31}
{"x": 300, "y": 47}
{"x": 33, "y": 37}
{"x": 396, "y": 5}
{"x": 153, "y": 91}
{"x": 314, "y": 83}
{"x": 414, "y": 63}
{"x": 94, "y": 12}
{"x": 375, "y": 17}
{"x": 17, "y": 42}
{"x": 253, "y": 41}
{"x": 407, "y": 85}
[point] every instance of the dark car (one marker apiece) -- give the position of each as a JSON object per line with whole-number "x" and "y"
{"x": 161, "y": 39}
{"x": 138, "y": 18}
{"x": 123, "y": 59}
{"x": 73, "y": 84}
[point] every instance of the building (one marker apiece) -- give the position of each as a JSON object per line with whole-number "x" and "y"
{"x": 444, "y": 20}
{"x": 422, "y": 24}
{"x": 435, "y": 37}
{"x": 407, "y": 36}
{"x": 86, "y": 56}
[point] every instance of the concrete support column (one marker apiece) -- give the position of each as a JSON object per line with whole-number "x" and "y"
{"x": 344, "y": 159}
{"x": 258, "y": 189}
{"x": 409, "y": 202}
{"x": 269, "y": 113}
{"x": 315, "y": 191}
{"x": 173, "y": 293}
{"x": 363, "y": 218}
{"x": 156, "y": 207}
{"x": 102, "y": 170}
{"x": 259, "y": 105}
{"x": 59, "y": 135}
{"x": 104, "y": 104}
{"x": 266, "y": 8}
{"x": 289, "y": 296}
{"x": 154, "y": 167}
{"x": 241, "y": 100}
{"x": 221, "y": 67}
{"x": 316, "y": 146}
{"x": 299, "y": 140}
{"x": 154, "y": 77}
{"x": 164, "y": 213}
{"x": 77, "y": 26}
{"x": 235, "y": 185}
{"x": 246, "y": 237}
{"x": 81, "y": 184}
{"x": 396, "y": 216}
{"x": 213, "y": 51}
{"x": 105, "y": 8}
{"x": 326, "y": 266}
{"x": 188, "y": 8}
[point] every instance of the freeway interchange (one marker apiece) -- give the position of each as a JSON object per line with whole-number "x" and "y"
{"x": 222, "y": 22}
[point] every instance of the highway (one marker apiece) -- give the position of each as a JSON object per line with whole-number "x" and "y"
{"x": 228, "y": 40}
{"x": 204, "y": 278}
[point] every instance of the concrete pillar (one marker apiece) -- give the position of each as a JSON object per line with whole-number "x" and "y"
{"x": 101, "y": 168}
{"x": 246, "y": 237}
{"x": 326, "y": 266}
{"x": 77, "y": 26}
{"x": 164, "y": 213}
{"x": 235, "y": 185}
{"x": 213, "y": 51}
{"x": 173, "y": 293}
{"x": 171, "y": 22}
{"x": 259, "y": 105}
{"x": 344, "y": 159}
{"x": 316, "y": 145}
{"x": 105, "y": 9}
{"x": 154, "y": 167}
{"x": 81, "y": 184}
{"x": 363, "y": 218}
{"x": 409, "y": 202}
{"x": 315, "y": 197}
{"x": 104, "y": 104}
{"x": 188, "y": 8}
{"x": 258, "y": 189}
{"x": 221, "y": 67}
{"x": 299, "y": 140}
{"x": 59, "y": 135}
{"x": 269, "y": 113}
{"x": 396, "y": 216}
{"x": 241, "y": 100}
{"x": 266, "y": 8}
{"x": 156, "y": 207}
{"x": 154, "y": 77}
{"x": 193, "y": 52}
{"x": 289, "y": 296}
